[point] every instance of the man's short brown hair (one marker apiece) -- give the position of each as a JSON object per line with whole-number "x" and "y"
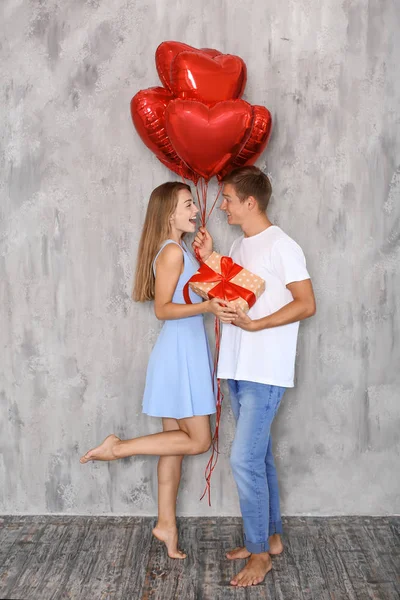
{"x": 250, "y": 181}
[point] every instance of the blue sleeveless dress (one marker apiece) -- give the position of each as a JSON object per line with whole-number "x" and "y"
{"x": 179, "y": 374}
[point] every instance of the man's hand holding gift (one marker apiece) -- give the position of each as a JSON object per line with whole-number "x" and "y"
{"x": 243, "y": 320}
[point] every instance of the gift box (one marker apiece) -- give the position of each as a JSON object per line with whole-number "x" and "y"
{"x": 220, "y": 277}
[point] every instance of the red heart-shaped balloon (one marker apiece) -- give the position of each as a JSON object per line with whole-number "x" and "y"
{"x": 165, "y": 54}
{"x": 256, "y": 144}
{"x": 206, "y": 78}
{"x": 210, "y": 51}
{"x": 148, "y": 116}
{"x": 206, "y": 139}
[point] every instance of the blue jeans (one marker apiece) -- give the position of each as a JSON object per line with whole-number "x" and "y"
{"x": 254, "y": 406}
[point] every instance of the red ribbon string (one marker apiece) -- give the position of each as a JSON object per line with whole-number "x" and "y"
{"x": 212, "y": 463}
{"x": 225, "y": 290}
{"x": 201, "y": 191}
{"x": 215, "y": 202}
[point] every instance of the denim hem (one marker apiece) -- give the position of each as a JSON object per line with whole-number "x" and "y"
{"x": 257, "y": 548}
{"x": 275, "y": 527}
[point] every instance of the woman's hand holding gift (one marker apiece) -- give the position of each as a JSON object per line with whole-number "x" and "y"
{"x": 222, "y": 310}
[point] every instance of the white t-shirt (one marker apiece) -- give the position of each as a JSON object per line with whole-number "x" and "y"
{"x": 266, "y": 356}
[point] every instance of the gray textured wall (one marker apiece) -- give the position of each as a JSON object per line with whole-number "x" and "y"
{"x": 74, "y": 187}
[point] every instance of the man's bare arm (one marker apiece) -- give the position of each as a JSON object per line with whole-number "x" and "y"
{"x": 301, "y": 307}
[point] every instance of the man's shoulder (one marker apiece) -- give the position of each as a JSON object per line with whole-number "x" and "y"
{"x": 271, "y": 239}
{"x": 280, "y": 239}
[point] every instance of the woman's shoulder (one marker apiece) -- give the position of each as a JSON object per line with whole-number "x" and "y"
{"x": 170, "y": 253}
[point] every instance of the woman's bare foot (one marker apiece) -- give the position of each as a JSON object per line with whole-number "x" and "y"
{"x": 106, "y": 450}
{"x": 255, "y": 571}
{"x": 275, "y": 547}
{"x": 170, "y": 538}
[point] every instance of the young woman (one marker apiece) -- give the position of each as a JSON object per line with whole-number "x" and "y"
{"x": 179, "y": 386}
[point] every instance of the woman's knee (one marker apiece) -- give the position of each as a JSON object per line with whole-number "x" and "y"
{"x": 201, "y": 445}
{"x": 199, "y": 432}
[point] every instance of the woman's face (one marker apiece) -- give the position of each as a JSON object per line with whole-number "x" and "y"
{"x": 185, "y": 216}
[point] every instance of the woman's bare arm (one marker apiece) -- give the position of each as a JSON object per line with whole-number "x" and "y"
{"x": 168, "y": 270}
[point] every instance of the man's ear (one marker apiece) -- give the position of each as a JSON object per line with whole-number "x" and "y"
{"x": 251, "y": 203}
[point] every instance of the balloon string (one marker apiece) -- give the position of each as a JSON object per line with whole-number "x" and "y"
{"x": 201, "y": 191}
{"x": 205, "y": 190}
{"x": 216, "y": 200}
{"x": 203, "y": 202}
{"x": 199, "y": 203}
{"x": 212, "y": 463}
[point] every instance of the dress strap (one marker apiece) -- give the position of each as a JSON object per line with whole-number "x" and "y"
{"x": 161, "y": 249}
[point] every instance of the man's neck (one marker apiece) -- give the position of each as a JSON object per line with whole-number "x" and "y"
{"x": 256, "y": 225}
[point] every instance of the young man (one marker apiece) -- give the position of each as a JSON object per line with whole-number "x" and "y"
{"x": 257, "y": 358}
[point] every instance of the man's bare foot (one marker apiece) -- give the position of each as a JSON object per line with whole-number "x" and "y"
{"x": 255, "y": 571}
{"x": 237, "y": 553}
{"x": 170, "y": 539}
{"x": 275, "y": 547}
{"x": 275, "y": 544}
{"x": 106, "y": 450}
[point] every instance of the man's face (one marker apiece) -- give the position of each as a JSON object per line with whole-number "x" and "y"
{"x": 234, "y": 209}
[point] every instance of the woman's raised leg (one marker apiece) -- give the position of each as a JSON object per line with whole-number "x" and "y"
{"x": 192, "y": 437}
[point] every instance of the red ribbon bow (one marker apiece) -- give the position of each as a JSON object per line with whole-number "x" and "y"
{"x": 224, "y": 289}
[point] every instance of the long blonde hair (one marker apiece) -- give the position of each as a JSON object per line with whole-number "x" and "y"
{"x": 156, "y": 229}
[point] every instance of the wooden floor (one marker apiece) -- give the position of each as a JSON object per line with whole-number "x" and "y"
{"x": 104, "y": 558}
